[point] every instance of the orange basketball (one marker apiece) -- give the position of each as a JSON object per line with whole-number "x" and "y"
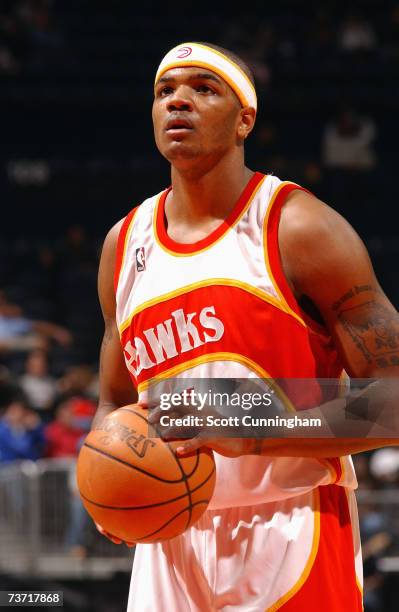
{"x": 135, "y": 486}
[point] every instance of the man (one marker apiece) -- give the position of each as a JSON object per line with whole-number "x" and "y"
{"x": 234, "y": 274}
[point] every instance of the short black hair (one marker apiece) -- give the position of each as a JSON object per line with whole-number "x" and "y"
{"x": 234, "y": 57}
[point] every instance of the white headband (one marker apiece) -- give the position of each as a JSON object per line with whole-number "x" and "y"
{"x": 194, "y": 54}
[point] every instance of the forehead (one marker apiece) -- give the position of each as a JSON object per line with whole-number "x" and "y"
{"x": 189, "y": 73}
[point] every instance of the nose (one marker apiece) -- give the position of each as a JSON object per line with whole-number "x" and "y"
{"x": 180, "y": 100}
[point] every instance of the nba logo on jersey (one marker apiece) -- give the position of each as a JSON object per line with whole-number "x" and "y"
{"x": 140, "y": 259}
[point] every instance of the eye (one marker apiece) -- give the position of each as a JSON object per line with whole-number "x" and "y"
{"x": 205, "y": 89}
{"x": 164, "y": 91}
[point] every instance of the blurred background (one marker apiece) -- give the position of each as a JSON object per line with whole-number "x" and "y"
{"x": 77, "y": 153}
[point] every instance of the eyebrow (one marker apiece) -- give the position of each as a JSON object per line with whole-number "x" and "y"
{"x": 200, "y": 75}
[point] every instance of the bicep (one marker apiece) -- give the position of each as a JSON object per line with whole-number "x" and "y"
{"x": 116, "y": 386}
{"x": 330, "y": 264}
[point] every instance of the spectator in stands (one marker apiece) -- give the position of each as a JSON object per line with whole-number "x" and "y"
{"x": 72, "y": 421}
{"x": 348, "y": 142}
{"x": 21, "y": 433}
{"x": 18, "y": 332}
{"x": 79, "y": 381}
{"x": 384, "y": 466}
{"x": 356, "y": 35}
{"x": 39, "y": 387}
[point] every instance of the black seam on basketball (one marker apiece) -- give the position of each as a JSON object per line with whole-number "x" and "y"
{"x": 158, "y": 437}
{"x": 133, "y": 412}
{"x": 149, "y": 535}
{"x": 190, "y": 499}
{"x": 133, "y": 467}
{"x": 163, "y": 503}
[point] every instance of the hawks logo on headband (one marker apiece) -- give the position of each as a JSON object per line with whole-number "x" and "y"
{"x": 195, "y": 54}
{"x": 184, "y": 52}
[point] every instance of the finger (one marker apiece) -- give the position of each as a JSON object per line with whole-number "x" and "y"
{"x": 111, "y": 537}
{"x": 190, "y": 446}
{"x": 154, "y": 415}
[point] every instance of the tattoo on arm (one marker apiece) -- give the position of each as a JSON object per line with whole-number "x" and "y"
{"x": 355, "y": 290}
{"x": 374, "y": 328}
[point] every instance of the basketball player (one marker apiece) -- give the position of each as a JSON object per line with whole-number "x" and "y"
{"x": 234, "y": 273}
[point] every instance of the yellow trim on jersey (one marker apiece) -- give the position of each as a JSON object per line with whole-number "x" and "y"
{"x": 343, "y": 474}
{"x": 311, "y": 559}
{"x": 333, "y": 472}
{"x": 175, "y": 253}
{"x": 343, "y": 390}
{"x": 222, "y": 356}
{"x": 359, "y": 586}
{"x": 356, "y": 532}
{"x": 230, "y": 282}
{"x": 266, "y": 254}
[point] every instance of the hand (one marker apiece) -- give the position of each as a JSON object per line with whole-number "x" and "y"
{"x": 113, "y": 538}
{"x": 191, "y": 426}
{"x": 228, "y": 447}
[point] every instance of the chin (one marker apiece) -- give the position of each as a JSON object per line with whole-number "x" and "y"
{"x": 181, "y": 151}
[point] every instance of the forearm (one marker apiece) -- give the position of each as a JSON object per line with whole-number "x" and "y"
{"x": 113, "y": 400}
{"x": 103, "y": 410}
{"x": 362, "y": 421}
{"x": 316, "y": 447}
{"x": 116, "y": 386}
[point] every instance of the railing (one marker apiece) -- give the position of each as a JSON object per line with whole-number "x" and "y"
{"x": 44, "y": 528}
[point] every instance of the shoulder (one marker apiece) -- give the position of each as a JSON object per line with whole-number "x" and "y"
{"x": 110, "y": 245}
{"x": 307, "y": 219}
{"x": 112, "y": 235}
{"x": 316, "y": 242}
{"x": 106, "y": 270}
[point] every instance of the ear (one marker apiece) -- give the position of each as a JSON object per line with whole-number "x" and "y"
{"x": 246, "y": 122}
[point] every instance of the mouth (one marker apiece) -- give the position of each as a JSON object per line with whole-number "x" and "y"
{"x": 178, "y": 126}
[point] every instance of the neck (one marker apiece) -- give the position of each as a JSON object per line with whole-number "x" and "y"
{"x": 213, "y": 193}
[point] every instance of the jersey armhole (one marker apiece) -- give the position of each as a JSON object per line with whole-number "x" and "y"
{"x": 273, "y": 256}
{"x": 272, "y": 250}
{"x": 121, "y": 244}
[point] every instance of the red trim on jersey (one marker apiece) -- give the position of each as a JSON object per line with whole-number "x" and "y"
{"x": 273, "y": 246}
{"x": 331, "y": 584}
{"x": 336, "y": 464}
{"x": 120, "y": 245}
{"x": 187, "y": 248}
